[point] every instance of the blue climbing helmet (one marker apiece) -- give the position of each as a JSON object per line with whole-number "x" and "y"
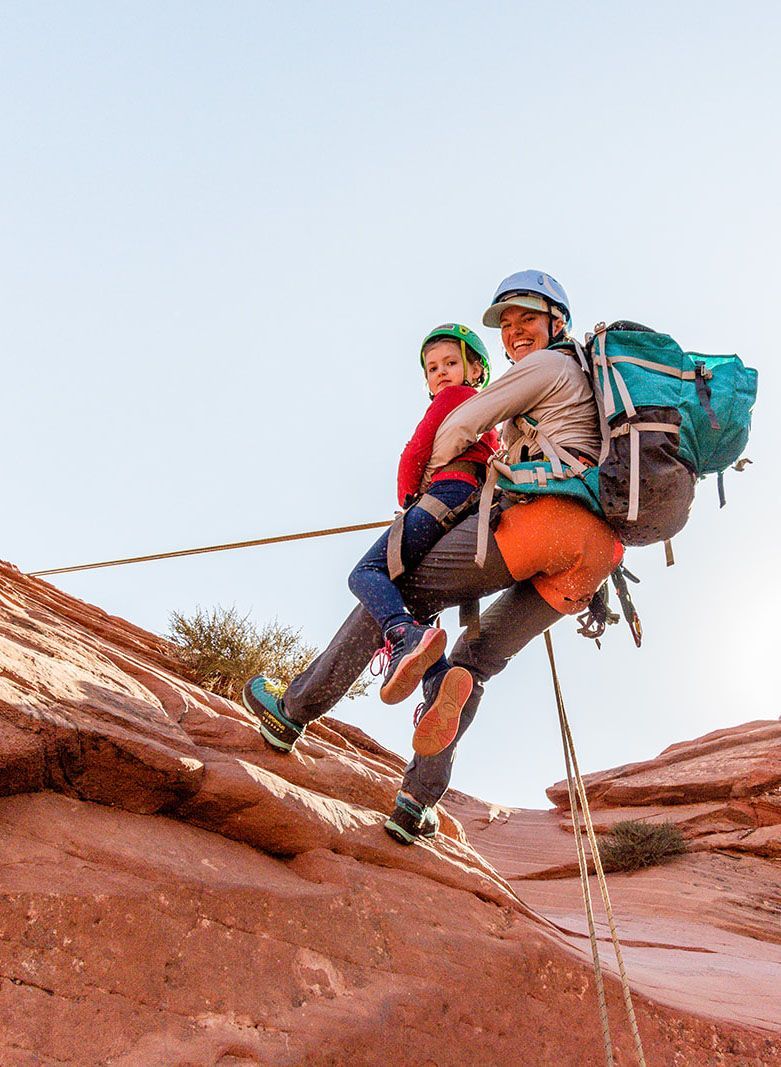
{"x": 532, "y": 289}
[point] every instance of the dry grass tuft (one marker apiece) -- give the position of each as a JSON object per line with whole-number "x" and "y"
{"x": 220, "y": 649}
{"x": 633, "y": 844}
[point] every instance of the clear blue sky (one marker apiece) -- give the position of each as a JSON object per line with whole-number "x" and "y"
{"x": 227, "y": 226}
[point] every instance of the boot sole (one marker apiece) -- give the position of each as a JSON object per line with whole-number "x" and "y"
{"x": 439, "y": 726}
{"x": 409, "y": 673}
{"x": 404, "y": 837}
{"x": 398, "y": 833}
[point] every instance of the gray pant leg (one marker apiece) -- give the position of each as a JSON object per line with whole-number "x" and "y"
{"x": 510, "y": 623}
{"x": 513, "y": 620}
{"x": 446, "y": 577}
{"x": 330, "y": 675}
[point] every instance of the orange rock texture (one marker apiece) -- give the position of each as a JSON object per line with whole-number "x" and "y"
{"x": 173, "y": 893}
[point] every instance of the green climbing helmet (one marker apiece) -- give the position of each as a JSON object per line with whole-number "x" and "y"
{"x": 467, "y": 339}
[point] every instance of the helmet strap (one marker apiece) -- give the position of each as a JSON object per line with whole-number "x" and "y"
{"x": 465, "y": 362}
{"x": 552, "y": 339}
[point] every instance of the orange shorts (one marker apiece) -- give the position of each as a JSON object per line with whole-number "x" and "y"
{"x": 565, "y": 550}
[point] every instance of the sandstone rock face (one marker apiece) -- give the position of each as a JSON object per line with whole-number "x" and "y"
{"x": 174, "y": 893}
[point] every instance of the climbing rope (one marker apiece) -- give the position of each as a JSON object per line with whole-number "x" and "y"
{"x": 211, "y": 548}
{"x": 573, "y": 772}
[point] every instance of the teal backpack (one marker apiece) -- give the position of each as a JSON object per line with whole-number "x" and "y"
{"x": 668, "y": 417}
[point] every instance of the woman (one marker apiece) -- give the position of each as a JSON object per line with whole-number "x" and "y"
{"x": 549, "y": 553}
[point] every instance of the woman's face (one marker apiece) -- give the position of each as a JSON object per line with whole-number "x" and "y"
{"x": 444, "y": 365}
{"x": 523, "y": 331}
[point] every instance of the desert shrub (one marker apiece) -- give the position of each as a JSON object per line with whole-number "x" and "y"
{"x": 633, "y": 844}
{"x": 220, "y": 649}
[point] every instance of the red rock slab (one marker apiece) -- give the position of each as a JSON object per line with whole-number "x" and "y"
{"x": 143, "y": 942}
{"x": 322, "y": 760}
{"x": 731, "y": 764}
{"x": 43, "y": 600}
{"x": 693, "y": 820}
{"x": 81, "y": 711}
{"x": 701, "y": 933}
{"x": 519, "y": 842}
{"x": 766, "y": 842}
{"x": 243, "y": 801}
{"x": 74, "y": 714}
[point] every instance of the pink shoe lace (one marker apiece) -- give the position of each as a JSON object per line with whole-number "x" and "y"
{"x": 382, "y": 658}
{"x": 419, "y": 713}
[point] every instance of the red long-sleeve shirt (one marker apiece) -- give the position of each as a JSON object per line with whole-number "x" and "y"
{"x": 417, "y": 451}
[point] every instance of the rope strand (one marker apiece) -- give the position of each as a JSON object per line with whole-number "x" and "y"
{"x": 569, "y": 752}
{"x": 211, "y": 548}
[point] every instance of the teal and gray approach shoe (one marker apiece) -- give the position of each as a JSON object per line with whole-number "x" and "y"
{"x": 263, "y": 697}
{"x": 409, "y": 820}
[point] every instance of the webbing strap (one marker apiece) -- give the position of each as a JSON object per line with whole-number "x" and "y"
{"x": 703, "y": 395}
{"x": 662, "y": 368}
{"x": 581, "y": 357}
{"x": 634, "y": 429}
{"x": 599, "y": 396}
{"x": 556, "y": 454}
{"x": 634, "y": 474}
{"x": 469, "y": 619}
{"x": 464, "y": 466}
{"x": 623, "y": 391}
{"x": 662, "y": 427}
{"x": 600, "y": 358}
{"x": 493, "y": 470}
{"x": 436, "y": 508}
{"x": 395, "y": 540}
{"x": 573, "y": 772}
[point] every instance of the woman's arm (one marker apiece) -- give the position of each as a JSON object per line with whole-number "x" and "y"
{"x": 515, "y": 393}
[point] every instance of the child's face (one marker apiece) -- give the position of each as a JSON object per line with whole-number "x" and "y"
{"x": 445, "y": 366}
{"x": 523, "y": 331}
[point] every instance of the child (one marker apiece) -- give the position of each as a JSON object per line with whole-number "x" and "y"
{"x": 455, "y": 363}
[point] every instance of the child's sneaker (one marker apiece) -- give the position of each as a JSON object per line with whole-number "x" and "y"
{"x": 437, "y": 718}
{"x": 409, "y": 820}
{"x": 410, "y": 650}
{"x": 262, "y": 697}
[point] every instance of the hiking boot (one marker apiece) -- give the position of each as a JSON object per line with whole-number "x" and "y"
{"x": 409, "y": 820}
{"x": 437, "y": 718}
{"x": 409, "y": 651}
{"x": 263, "y": 697}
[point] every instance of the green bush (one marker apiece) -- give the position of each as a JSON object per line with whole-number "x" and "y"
{"x": 633, "y": 844}
{"x": 220, "y": 649}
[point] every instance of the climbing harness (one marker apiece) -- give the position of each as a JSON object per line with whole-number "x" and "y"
{"x": 577, "y": 793}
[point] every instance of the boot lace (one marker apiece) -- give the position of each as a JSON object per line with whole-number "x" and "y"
{"x": 380, "y": 660}
{"x": 276, "y": 688}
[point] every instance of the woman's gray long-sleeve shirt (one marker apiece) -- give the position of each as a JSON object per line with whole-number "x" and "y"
{"x": 549, "y": 388}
